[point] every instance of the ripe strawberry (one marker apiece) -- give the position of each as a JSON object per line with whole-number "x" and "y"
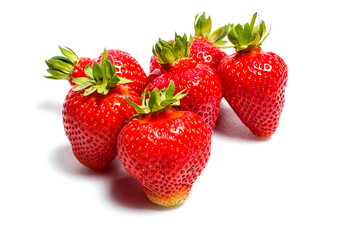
{"x": 127, "y": 67}
{"x": 94, "y": 113}
{"x": 254, "y": 81}
{"x": 206, "y": 45}
{"x": 164, "y": 149}
{"x": 67, "y": 67}
{"x": 202, "y": 83}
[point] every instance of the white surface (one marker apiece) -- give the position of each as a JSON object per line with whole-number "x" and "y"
{"x": 302, "y": 183}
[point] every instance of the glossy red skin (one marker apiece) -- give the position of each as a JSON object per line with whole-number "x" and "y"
{"x": 202, "y": 50}
{"x": 254, "y": 86}
{"x": 127, "y": 67}
{"x": 165, "y": 152}
{"x": 79, "y": 67}
{"x": 92, "y": 123}
{"x": 202, "y": 83}
{"x": 154, "y": 64}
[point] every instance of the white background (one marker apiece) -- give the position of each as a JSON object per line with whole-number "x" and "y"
{"x": 302, "y": 183}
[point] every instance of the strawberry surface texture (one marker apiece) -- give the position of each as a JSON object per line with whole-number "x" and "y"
{"x": 166, "y": 153}
{"x": 94, "y": 113}
{"x": 254, "y": 81}
{"x": 164, "y": 149}
{"x": 254, "y": 86}
{"x": 201, "y": 82}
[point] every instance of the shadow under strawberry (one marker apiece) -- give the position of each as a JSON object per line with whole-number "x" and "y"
{"x": 51, "y": 106}
{"x": 123, "y": 190}
{"x": 126, "y": 191}
{"x": 63, "y": 159}
{"x": 229, "y": 125}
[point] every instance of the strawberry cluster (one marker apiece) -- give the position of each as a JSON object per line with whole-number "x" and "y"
{"x": 160, "y": 125}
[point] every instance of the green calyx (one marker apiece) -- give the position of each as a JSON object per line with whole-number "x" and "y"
{"x": 248, "y": 36}
{"x": 157, "y": 100}
{"x": 169, "y": 52}
{"x": 61, "y": 67}
{"x": 202, "y": 26}
{"x": 101, "y": 78}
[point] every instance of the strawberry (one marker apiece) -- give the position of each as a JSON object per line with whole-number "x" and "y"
{"x": 94, "y": 113}
{"x": 203, "y": 84}
{"x": 254, "y": 81}
{"x": 206, "y": 45}
{"x": 165, "y": 150}
{"x": 67, "y": 67}
{"x": 127, "y": 67}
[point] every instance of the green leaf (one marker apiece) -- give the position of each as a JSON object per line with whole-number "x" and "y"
{"x": 124, "y": 80}
{"x": 191, "y": 40}
{"x": 113, "y": 81}
{"x": 102, "y": 89}
{"x": 180, "y": 95}
{"x": 57, "y": 74}
{"x": 248, "y": 36}
{"x": 63, "y": 59}
{"x": 157, "y": 100}
{"x": 168, "y": 55}
{"x": 247, "y": 33}
{"x": 138, "y": 109}
{"x": 70, "y": 54}
{"x": 60, "y": 65}
{"x": 233, "y": 37}
{"x": 90, "y": 90}
{"x": 97, "y": 72}
{"x": 252, "y": 23}
{"x": 220, "y": 43}
{"x": 82, "y": 86}
{"x": 143, "y": 97}
{"x": 206, "y": 27}
{"x": 108, "y": 69}
{"x": 81, "y": 80}
{"x": 218, "y": 36}
{"x": 153, "y": 98}
{"x": 202, "y": 26}
{"x": 167, "y": 102}
{"x": 179, "y": 49}
{"x": 263, "y": 39}
{"x": 169, "y": 92}
{"x": 88, "y": 71}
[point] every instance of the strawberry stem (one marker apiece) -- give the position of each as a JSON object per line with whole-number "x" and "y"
{"x": 202, "y": 26}
{"x": 101, "y": 78}
{"x": 157, "y": 100}
{"x": 248, "y": 36}
{"x": 167, "y": 53}
{"x": 61, "y": 67}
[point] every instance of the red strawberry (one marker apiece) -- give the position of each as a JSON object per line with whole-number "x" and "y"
{"x": 254, "y": 81}
{"x": 202, "y": 83}
{"x": 164, "y": 149}
{"x": 94, "y": 113}
{"x": 154, "y": 64}
{"x": 67, "y": 67}
{"x": 127, "y": 67}
{"x": 206, "y": 45}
